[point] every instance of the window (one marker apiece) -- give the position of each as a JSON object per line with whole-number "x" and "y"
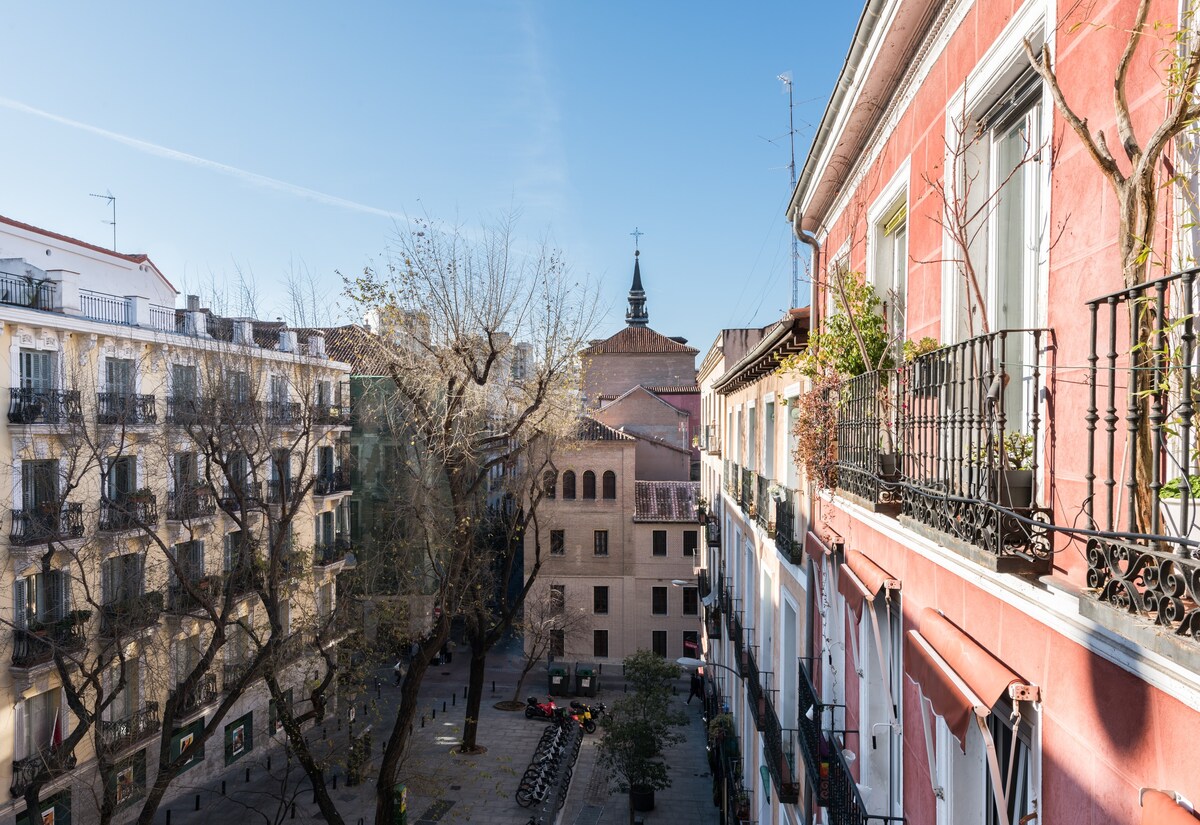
{"x": 549, "y": 479}
{"x": 659, "y": 642}
{"x": 118, "y": 376}
{"x": 660, "y": 542}
{"x": 769, "y": 439}
{"x": 690, "y": 542}
{"x": 39, "y": 484}
{"x": 183, "y": 382}
{"x": 39, "y": 715}
{"x": 189, "y": 562}
{"x": 751, "y": 437}
{"x": 600, "y": 600}
{"x": 324, "y": 393}
{"x": 558, "y": 642}
{"x": 42, "y": 597}
{"x": 325, "y": 600}
{"x": 600, "y": 643}
{"x": 589, "y": 485}
{"x": 610, "y": 484}
{"x": 568, "y": 484}
{"x": 558, "y": 599}
{"x": 122, "y": 477}
{"x": 691, "y": 643}
{"x": 279, "y": 389}
{"x": 691, "y": 601}
{"x": 600, "y": 538}
{"x": 37, "y": 370}
{"x": 121, "y": 578}
{"x": 558, "y": 542}
{"x": 658, "y": 601}
{"x": 237, "y": 386}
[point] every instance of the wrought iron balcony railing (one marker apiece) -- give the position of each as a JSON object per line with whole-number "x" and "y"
{"x": 131, "y": 615}
{"x": 129, "y": 513}
{"x": 47, "y": 522}
{"x": 334, "y": 481}
{"x": 52, "y": 761}
{"x": 746, "y": 489}
{"x": 118, "y": 734}
{"x": 762, "y": 503}
{"x": 279, "y": 490}
{"x": 24, "y": 291}
{"x": 712, "y": 530}
{"x": 330, "y": 552}
{"x": 335, "y": 415}
{"x": 712, "y": 440}
{"x": 239, "y": 411}
{"x": 244, "y": 578}
{"x": 29, "y": 406}
{"x": 283, "y": 412}
{"x": 185, "y": 411}
{"x": 786, "y": 541}
{"x": 202, "y": 692}
{"x": 35, "y": 645}
{"x": 181, "y": 601}
{"x": 196, "y": 501}
{"x": 731, "y": 478}
{"x": 756, "y": 692}
{"x": 1143, "y": 470}
{"x": 867, "y": 437}
{"x": 234, "y": 672}
{"x": 782, "y": 752}
{"x": 234, "y": 496}
{"x": 127, "y": 409}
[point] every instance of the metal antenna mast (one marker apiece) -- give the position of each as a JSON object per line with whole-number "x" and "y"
{"x": 112, "y": 201}
{"x": 786, "y": 78}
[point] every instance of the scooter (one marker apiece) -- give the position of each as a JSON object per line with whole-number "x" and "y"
{"x": 583, "y": 715}
{"x": 597, "y": 711}
{"x": 539, "y": 710}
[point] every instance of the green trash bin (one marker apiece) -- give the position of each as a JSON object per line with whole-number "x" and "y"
{"x": 587, "y": 679}
{"x": 558, "y": 679}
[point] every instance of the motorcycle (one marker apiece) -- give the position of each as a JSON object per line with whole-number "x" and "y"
{"x": 540, "y": 710}
{"x": 583, "y": 715}
{"x": 596, "y": 711}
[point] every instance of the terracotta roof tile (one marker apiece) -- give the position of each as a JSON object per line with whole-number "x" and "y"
{"x": 590, "y": 429}
{"x": 666, "y": 501}
{"x": 637, "y": 339}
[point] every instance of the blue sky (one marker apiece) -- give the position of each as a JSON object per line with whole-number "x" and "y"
{"x": 270, "y": 138}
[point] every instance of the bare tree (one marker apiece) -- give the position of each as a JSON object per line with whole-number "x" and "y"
{"x": 544, "y": 618}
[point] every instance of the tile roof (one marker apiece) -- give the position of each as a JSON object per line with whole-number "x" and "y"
{"x": 357, "y": 346}
{"x": 590, "y": 429}
{"x": 638, "y": 339}
{"x": 685, "y": 390}
{"x": 666, "y": 501}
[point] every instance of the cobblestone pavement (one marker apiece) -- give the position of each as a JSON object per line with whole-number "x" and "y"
{"x": 444, "y": 787}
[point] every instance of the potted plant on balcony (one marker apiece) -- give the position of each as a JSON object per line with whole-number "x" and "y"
{"x": 1008, "y": 470}
{"x": 142, "y": 495}
{"x": 1170, "y": 497}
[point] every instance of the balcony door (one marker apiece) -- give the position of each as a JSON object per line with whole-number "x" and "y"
{"x": 37, "y": 370}
{"x": 187, "y": 472}
{"x": 126, "y": 693}
{"x": 41, "y": 598}
{"x": 38, "y": 723}
{"x": 39, "y": 485}
{"x": 118, "y": 377}
{"x": 122, "y": 477}
{"x": 122, "y": 578}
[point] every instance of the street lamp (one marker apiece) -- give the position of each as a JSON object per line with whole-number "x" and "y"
{"x": 690, "y": 663}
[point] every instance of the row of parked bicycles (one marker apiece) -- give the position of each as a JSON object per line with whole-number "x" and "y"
{"x": 552, "y": 764}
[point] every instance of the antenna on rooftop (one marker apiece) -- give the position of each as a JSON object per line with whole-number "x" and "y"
{"x": 786, "y": 79}
{"x": 112, "y": 201}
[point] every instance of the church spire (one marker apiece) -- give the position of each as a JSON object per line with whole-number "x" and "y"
{"x": 636, "y": 315}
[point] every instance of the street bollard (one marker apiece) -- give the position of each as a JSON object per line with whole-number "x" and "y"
{"x": 222, "y": 787}
{"x": 268, "y": 762}
{"x": 453, "y": 696}
{"x": 168, "y": 816}
{"x": 493, "y": 687}
{"x": 293, "y": 810}
{"x": 422, "y": 721}
{"x": 247, "y": 774}
{"x": 464, "y": 691}
{"x": 433, "y": 712}
{"x": 443, "y": 706}
{"x": 197, "y": 802}
{"x": 335, "y": 781}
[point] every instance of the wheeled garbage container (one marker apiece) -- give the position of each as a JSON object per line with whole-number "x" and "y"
{"x": 558, "y": 679}
{"x": 587, "y": 679}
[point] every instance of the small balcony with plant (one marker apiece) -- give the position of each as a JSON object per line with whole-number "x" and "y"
{"x": 56, "y": 631}
{"x": 192, "y": 501}
{"x": 331, "y": 552}
{"x": 47, "y": 521}
{"x": 131, "y": 614}
{"x": 239, "y": 496}
{"x": 332, "y": 481}
{"x": 137, "y": 509}
{"x": 29, "y": 406}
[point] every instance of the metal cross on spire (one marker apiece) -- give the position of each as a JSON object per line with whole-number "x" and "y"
{"x": 636, "y": 233}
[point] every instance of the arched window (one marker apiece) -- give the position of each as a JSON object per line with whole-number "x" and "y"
{"x": 589, "y": 484}
{"x": 569, "y": 484}
{"x": 548, "y": 479}
{"x": 610, "y": 484}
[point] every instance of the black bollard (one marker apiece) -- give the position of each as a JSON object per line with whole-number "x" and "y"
{"x": 443, "y": 706}
{"x": 197, "y": 802}
{"x": 464, "y": 691}
{"x": 293, "y": 810}
{"x": 222, "y": 787}
{"x": 493, "y": 686}
{"x": 324, "y": 732}
{"x": 268, "y": 762}
{"x": 339, "y": 721}
{"x": 433, "y": 712}
{"x": 247, "y": 774}
{"x": 453, "y": 696}
{"x": 168, "y": 816}
{"x": 422, "y": 721}
{"x": 335, "y": 781}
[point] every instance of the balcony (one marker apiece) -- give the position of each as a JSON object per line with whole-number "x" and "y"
{"x": 239, "y": 411}
{"x": 745, "y": 493}
{"x": 332, "y": 482}
{"x": 332, "y": 415}
{"x": 125, "y": 409}
{"x": 24, "y": 291}
{"x": 292, "y": 647}
{"x": 762, "y": 504}
{"x": 194, "y": 502}
{"x": 244, "y": 579}
{"x": 756, "y": 690}
{"x": 712, "y": 440}
{"x": 131, "y": 615}
{"x": 46, "y": 523}
{"x": 712, "y": 530}
{"x": 233, "y": 672}
{"x": 236, "y": 496}
{"x": 201, "y": 693}
{"x": 327, "y": 553}
{"x": 283, "y": 412}
{"x": 731, "y": 478}
{"x": 786, "y": 541}
{"x": 782, "y": 751}
{"x": 135, "y": 511}
{"x": 959, "y": 461}
{"x": 28, "y": 406}
{"x": 190, "y": 411}
{"x": 181, "y": 600}
{"x": 280, "y": 490}
{"x": 50, "y": 762}
{"x": 36, "y": 644}
{"x": 1143, "y": 467}
{"x": 117, "y": 735}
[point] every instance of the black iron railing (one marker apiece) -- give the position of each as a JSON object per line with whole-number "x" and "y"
{"x": 335, "y": 415}
{"x": 746, "y": 489}
{"x": 867, "y": 439}
{"x": 283, "y": 412}
{"x": 330, "y": 552}
{"x": 203, "y": 691}
{"x": 29, "y": 406}
{"x": 22, "y": 291}
{"x": 131, "y": 615}
{"x": 1143, "y": 471}
{"x": 191, "y": 410}
{"x": 49, "y": 521}
{"x": 244, "y": 578}
{"x": 279, "y": 490}
{"x": 755, "y": 690}
{"x": 233, "y": 672}
{"x": 731, "y": 478}
{"x": 140, "y": 510}
{"x": 180, "y": 600}
{"x": 247, "y": 493}
{"x": 781, "y": 745}
{"x": 128, "y": 409}
{"x": 51, "y": 762}
{"x": 196, "y": 501}
{"x": 762, "y": 502}
{"x": 712, "y": 530}
{"x": 331, "y": 482}
{"x": 239, "y": 411}
{"x": 118, "y": 734}
{"x": 35, "y": 645}
{"x": 786, "y": 541}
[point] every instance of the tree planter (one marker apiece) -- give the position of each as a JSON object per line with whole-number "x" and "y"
{"x": 642, "y": 798}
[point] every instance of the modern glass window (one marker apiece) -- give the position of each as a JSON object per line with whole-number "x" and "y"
{"x": 558, "y": 542}
{"x": 589, "y": 485}
{"x": 600, "y": 643}
{"x": 610, "y": 484}
{"x": 660, "y": 542}
{"x": 600, "y": 538}
{"x": 599, "y": 599}
{"x": 691, "y": 540}
{"x": 659, "y": 642}
{"x": 568, "y": 485}
{"x": 691, "y": 601}
{"x": 658, "y": 601}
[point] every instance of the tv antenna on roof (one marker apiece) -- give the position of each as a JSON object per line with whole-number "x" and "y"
{"x": 112, "y": 201}
{"x": 786, "y": 79}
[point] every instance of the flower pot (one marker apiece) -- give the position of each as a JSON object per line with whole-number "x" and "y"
{"x": 1015, "y": 489}
{"x": 642, "y": 798}
{"x": 889, "y": 464}
{"x": 1169, "y": 522}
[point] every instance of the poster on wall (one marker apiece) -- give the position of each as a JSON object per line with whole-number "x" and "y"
{"x": 239, "y": 738}
{"x": 54, "y": 810}
{"x": 183, "y": 738}
{"x": 127, "y": 784}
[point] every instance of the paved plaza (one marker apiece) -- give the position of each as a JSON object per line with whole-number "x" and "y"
{"x": 444, "y": 787}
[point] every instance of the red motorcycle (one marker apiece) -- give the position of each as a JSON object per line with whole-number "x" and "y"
{"x": 540, "y": 710}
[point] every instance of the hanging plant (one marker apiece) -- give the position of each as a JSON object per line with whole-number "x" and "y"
{"x": 816, "y": 431}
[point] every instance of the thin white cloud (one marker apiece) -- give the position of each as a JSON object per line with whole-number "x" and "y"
{"x": 204, "y": 163}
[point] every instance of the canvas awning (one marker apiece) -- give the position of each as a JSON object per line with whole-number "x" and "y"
{"x": 1159, "y": 808}
{"x": 861, "y": 580}
{"x": 959, "y": 677}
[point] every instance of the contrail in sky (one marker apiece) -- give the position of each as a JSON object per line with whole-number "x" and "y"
{"x": 224, "y": 168}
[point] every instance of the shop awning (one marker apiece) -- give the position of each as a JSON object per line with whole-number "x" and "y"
{"x": 861, "y": 580}
{"x": 958, "y": 677}
{"x": 1160, "y": 808}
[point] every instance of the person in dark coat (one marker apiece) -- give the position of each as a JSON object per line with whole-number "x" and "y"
{"x": 697, "y": 688}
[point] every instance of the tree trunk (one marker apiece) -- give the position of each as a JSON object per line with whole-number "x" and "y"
{"x": 479, "y": 651}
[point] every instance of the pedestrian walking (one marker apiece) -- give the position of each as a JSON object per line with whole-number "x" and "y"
{"x": 697, "y": 688}
{"x": 397, "y": 670}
